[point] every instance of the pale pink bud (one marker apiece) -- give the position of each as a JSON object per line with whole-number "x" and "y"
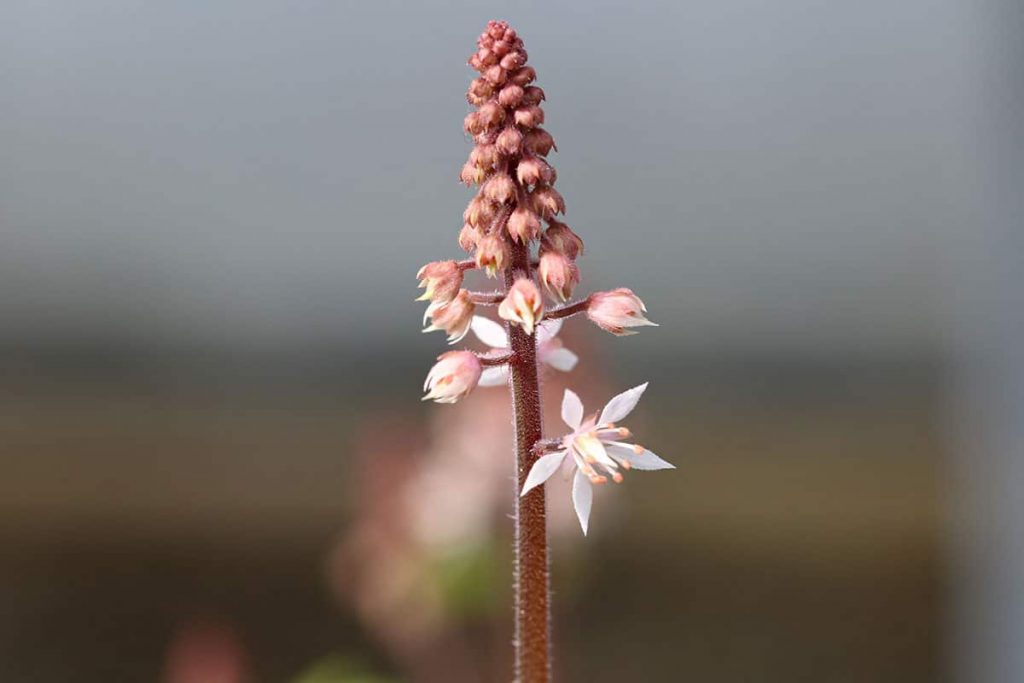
{"x": 452, "y": 316}
{"x": 468, "y": 237}
{"x": 523, "y": 76}
{"x": 441, "y": 280}
{"x": 510, "y": 96}
{"x": 558, "y": 274}
{"x": 455, "y": 374}
{"x": 523, "y": 225}
{"x": 547, "y": 201}
{"x": 483, "y": 156}
{"x": 487, "y": 56}
{"x": 472, "y": 175}
{"x": 560, "y": 237}
{"x": 496, "y": 29}
{"x": 479, "y": 213}
{"x": 529, "y": 117}
{"x": 539, "y": 141}
{"x": 533, "y": 95}
{"x": 513, "y": 60}
{"x": 473, "y": 124}
{"x": 474, "y": 61}
{"x": 509, "y": 140}
{"x": 617, "y": 310}
{"x": 500, "y": 188}
{"x": 501, "y": 47}
{"x": 533, "y": 170}
{"x": 522, "y": 305}
{"x": 479, "y": 91}
{"x": 495, "y": 74}
{"x": 492, "y": 254}
{"x": 491, "y": 114}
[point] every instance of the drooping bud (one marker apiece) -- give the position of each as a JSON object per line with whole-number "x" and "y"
{"x": 492, "y": 254}
{"x": 533, "y": 95}
{"x": 560, "y": 237}
{"x": 523, "y": 76}
{"x": 491, "y": 114}
{"x": 509, "y": 140}
{"x": 522, "y": 305}
{"x": 454, "y": 316}
{"x": 500, "y": 188}
{"x": 441, "y": 280}
{"x": 513, "y": 60}
{"x": 484, "y": 156}
{"x": 547, "y": 201}
{"x": 617, "y": 310}
{"x": 472, "y": 174}
{"x": 533, "y": 170}
{"x": 455, "y": 374}
{"x": 479, "y": 91}
{"x": 468, "y": 237}
{"x": 495, "y": 75}
{"x": 529, "y": 117}
{"x": 473, "y": 124}
{"x": 523, "y": 225}
{"x": 480, "y": 212}
{"x": 510, "y": 95}
{"x": 558, "y": 274}
{"x": 539, "y": 141}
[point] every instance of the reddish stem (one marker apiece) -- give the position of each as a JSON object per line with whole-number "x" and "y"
{"x": 568, "y": 310}
{"x": 532, "y": 609}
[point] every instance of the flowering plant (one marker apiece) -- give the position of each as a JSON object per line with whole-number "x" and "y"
{"x": 516, "y": 197}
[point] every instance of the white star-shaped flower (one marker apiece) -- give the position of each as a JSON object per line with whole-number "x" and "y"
{"x": 597, "y": 453}
{"x": 549, "y": 349}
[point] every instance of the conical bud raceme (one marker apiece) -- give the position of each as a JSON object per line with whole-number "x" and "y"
{"x": 441, "y": 280}
{"x": 617, "y": 310}
{"x": 454, "y": 316}
{"x": 558, "y": 274}
{"x": 522, "y": 305}
{"x": 455, "y": 374}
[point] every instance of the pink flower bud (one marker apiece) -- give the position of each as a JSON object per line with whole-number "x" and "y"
{"x": 539, "y": 141}
{"x": 500, "y": 188}
{"x": 496, "y": 29}
{"x": 479, "y": 91}
{"x": 523, "y": 76}
{"x": 509, "y": 140}
{"x": 475, "y": 62}
{"x": 487, "y": 56}
{"x": 510, "y": 96}
{"x": 441, "y": 279}
{"x": 523, "y": 225}
{"x": 529, "y": 117}
{"x": 484, "y": 156}
{"x": 453, "y": 316}
{"x": 533, "y": 170}
{"x": 495, "y": 74}
{"x": 513, "y": 60}
{"x": 468, "y": 237}
{"x": 559, "y": 237}
{"x": 501, "y": 47}
{"x": 473, "y": 124}
{"x": 558, "y": 274}
{"x": 472, "y": 175}
{"x": 479, "y": 213}
{"x": 533, "y": 95}
{"x": 617, "y": 310}
{"x": 547, "y": 201}
{"x": 491, "y": 114}
{"x": 522, "y": 305}
{"x": 492, "y": 254}
{"x": 455, "y": 374}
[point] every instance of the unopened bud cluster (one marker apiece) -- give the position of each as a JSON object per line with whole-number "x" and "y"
{"x": 515, "y": 206}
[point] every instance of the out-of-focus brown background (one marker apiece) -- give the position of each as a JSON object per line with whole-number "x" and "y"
{"x": 215, "y": 465}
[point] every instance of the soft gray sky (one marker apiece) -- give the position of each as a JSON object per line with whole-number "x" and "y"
{"x": 786, "y": 176}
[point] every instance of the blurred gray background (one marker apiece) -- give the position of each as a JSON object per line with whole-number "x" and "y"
{"x": 210, "y": 219}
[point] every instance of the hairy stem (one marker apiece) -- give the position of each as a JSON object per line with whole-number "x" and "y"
{"x": 532, "y": 610}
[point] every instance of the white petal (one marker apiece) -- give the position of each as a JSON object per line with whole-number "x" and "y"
{"x": 542, "y": 470}
{"x": 582, "y": 497}
{"x": 572, "y": 409}
{"x": 489, "y": 332}
{"x": 561, "y": 359}
{"x": 622, "y": 405}
{"x": 645, "y": 460}
{"x": 548, "y": 329}
{"x": 494, "y": 376}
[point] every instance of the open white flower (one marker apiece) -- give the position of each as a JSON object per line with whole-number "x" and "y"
{"x": 549, "y": 349}
{"x": 597, "y": 453}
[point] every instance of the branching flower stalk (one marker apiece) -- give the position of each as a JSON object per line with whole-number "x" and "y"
{"x": 515, "y": 208}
